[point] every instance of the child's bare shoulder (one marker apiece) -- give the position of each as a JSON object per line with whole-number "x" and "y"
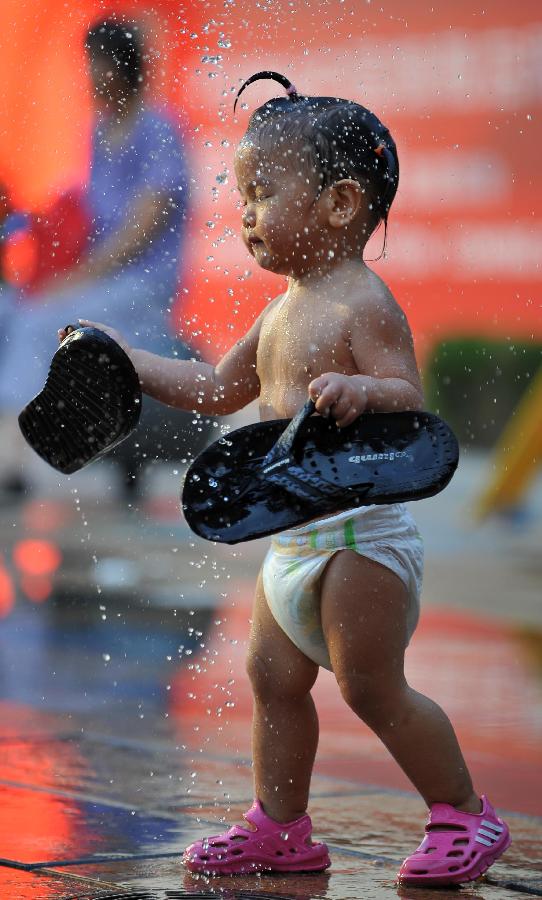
{"x": 375, "y": 308}
{"x": 379, "y": 336}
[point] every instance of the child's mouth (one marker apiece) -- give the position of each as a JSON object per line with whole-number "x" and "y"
{"x": 254, "y": 244}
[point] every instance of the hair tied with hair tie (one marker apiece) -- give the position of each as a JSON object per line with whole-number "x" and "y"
{"x": 380, "y": 149}
{"x": 272, "y": 76}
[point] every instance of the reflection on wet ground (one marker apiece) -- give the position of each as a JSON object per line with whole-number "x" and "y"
{"x": 125, "y": 711}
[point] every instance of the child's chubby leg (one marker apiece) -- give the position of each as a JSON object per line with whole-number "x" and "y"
{"x": 364, "y": 619}
{"x": 285, "y": 723}
{"x": 277, "y": 833}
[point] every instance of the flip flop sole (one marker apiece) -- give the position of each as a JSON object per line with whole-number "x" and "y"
{"x": 90, "y": 402}
{"x": 228, "y": 495}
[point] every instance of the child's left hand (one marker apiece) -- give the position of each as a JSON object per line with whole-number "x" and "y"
{"x": 341, "y": 396}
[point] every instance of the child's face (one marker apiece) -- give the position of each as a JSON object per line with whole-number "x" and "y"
{"x": 282, "y": 222}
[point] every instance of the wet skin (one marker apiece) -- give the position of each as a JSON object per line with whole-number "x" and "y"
{"x": 336, "y": 316}
{"x": 338, "y": 335}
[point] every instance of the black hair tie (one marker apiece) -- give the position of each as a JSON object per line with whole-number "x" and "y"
{"x": 272, "y": 76}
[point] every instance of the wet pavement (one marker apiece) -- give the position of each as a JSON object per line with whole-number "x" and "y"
{"x": 125, "y": 710}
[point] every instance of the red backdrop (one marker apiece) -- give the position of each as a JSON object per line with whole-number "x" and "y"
{"x": 457, "y": 84}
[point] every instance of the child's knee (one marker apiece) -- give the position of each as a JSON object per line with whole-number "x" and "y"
{"x": 371, "y": 695}
{"x": 273, "y": 679}
{"x": 259, "y": 674}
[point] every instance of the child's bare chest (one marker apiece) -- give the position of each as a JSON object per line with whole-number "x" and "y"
{"x": 294, "y": 349}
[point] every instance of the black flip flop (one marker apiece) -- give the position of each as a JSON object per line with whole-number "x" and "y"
{"x": 277, "y": 475}
{"x": 90, "y": 402}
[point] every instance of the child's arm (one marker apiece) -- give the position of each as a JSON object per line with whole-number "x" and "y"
{"x": 389, "y": 380}
{"x": 186, "y": 384}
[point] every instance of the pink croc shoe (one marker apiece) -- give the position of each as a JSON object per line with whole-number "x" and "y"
{"x": 467, "y": 845}
{"x": 271, "y": 847}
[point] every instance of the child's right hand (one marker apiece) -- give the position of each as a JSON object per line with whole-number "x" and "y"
{"x": 85, "y": 323}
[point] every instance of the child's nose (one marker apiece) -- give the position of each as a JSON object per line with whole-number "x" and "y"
{"x": 248, "y": 218}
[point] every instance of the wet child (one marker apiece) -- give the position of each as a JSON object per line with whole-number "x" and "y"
{"x": 316, "y": 176}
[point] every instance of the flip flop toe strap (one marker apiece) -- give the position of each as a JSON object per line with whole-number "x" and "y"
{"x": 286, "y": 443}
{"x": 280, "y": 468}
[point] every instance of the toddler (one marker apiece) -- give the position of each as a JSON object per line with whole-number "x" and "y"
{"x": 316, "y": 176}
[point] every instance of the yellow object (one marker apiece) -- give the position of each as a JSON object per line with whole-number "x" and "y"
{"x": 517, "y": 455}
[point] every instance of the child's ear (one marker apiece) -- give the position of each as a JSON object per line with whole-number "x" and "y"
{"x": 345, "y": 199}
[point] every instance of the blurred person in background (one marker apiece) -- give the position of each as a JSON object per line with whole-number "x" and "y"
{"x": 137, "y": 206}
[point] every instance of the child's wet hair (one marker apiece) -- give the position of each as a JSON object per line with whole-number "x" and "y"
{"x": 342, "y": 139}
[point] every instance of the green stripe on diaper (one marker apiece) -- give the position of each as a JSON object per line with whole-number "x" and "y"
{"x": 313, "y": 539}
{"x": 349, "y": 534}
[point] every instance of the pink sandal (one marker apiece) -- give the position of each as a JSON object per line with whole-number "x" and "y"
{"x": 460, "y": 852}
{"x": 271, "y": 847}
